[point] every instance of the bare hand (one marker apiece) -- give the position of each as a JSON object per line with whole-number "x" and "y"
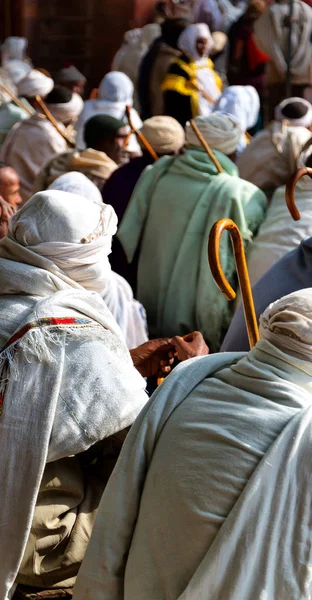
{"x": 190, "y": 345}
{"x": 153, "y": 357}
{"x": 6, "y": 210}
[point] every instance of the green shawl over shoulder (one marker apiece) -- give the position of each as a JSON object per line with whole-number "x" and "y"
{"x": 172, "y": 210}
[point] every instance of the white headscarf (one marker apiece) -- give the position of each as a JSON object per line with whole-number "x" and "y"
{"x": 241, "y": 102}
{"x": 188, "y": 38}
{"x": 68, "y": 237}
{"x": 77, "y": 183}
{"x": 221, "y": 132}
{"x": 67, "y": 111}
{"x": 303, "y": 121}
{"x": 17, "y": 70}
{"x": 287, "y": 324}
{"x": 13, "y": 48}
{"x": 35, "y": 83}
{"x": 115, "y": 93}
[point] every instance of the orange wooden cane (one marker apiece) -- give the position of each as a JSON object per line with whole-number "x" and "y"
{"x": 139, "y": 135}
{"x": 16, "y": 100}
{"x": 242, "y": 271}
{"x": 206, "y": 146}
{"x": 290, "y": 191}
{"x": 53, "y": 121}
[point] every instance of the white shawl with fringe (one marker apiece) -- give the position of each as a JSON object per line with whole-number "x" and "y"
{"x": 211, "y": 496}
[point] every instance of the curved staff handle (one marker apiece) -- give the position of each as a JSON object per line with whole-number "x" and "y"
{"x": 206, "y": 146}
{"x": 242, "y": 271}
{"x": 290, "y": 191}
{"x": 139, "y": 135}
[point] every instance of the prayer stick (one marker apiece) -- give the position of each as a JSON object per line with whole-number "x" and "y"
{"x": 242, "y": 271}
{"x": 290, "y": 191}
{"x": 52, "y": 120}
{"x": 206, "y": 146}
{"x": 140, "y": 136}
{"x": 16, "y": 100}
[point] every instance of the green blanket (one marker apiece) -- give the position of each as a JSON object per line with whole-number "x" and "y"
{"x": 173, "y": 208}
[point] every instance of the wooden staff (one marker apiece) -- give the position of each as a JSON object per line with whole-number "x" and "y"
{"x": 16, "y": 100}
{"x": 206, "y": 146}
{"x": 140, "y": 136}
{"x": 53, "y": 121}
{"x": 242, "y": 271}
{"x": 290, "y": 191}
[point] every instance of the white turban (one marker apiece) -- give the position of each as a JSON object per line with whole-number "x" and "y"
{"x": 164, "y": 134}
{"x": 297, "y": 111}
{"x": 69, "y": 75}
{"x": 35, "y": 84}
{"x": 222, "y": 133}
{"x": 65, "y": 235}
{"x": 77, "y": 183}
{"x": 17, "y": 70}
{"x": 287, "y": 324}
{"x": 188, "y": 38}
{"x": 241, "y": 102}
{"x": 67, "y": 111}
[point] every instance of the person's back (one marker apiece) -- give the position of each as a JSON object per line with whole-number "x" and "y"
{"x": 221, "y": 458}
{"x": 270, "y": 158}
{"x": 10, "y": 114}
{"x": 174, "y": 206}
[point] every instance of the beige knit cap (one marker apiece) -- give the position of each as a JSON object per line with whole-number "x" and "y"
{"x": 164, "y": 134}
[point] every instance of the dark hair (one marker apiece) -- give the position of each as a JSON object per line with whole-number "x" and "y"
{"x": 59, "y": 95}
{"x": 100, "y": 128}
{"x": 171, "y": 30}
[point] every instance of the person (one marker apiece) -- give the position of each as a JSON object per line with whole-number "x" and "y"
{"x": 171, "y": 212}
{"x": 128, "y": 58}
{"x": 10, "y": 186}
{"x": 209, "y": 12}
{"x": 272, "y": 37}
{"x": 154, "y": 67}
{"x": 246, "y": 62}
{"x": 32, "y": 142}
{"x": 220, "y": 456}
{"x": 68, "y": 384}
{"x": 114, "y": 95}
{"x": 104, "y": 137}
{"x": 242, "y": 103}
{"x": 191, "y": 86}
{"x": 293, "y": 272}
{"x": 117, "y": 294}
{"x": 71, "y": 78}
{"x": 270, "y": 158}
{"x": 279, "y": 234}
{"x": 160, "y": 12}
{"x": 31, "y": 84}
{"x": 166, "y": 136}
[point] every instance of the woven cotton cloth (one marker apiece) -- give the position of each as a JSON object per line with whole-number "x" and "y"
{"x": 221, "y": 457}
{"x": 35, "y": 84}
{"x": 164, "y": 134}
{"x": 222, "y": 132}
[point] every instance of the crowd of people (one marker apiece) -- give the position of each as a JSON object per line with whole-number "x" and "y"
{"x": 148, "y": 451}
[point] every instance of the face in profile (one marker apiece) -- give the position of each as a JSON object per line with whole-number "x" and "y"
{"x": 202, "y": 46}
{"x": 10, "y": 187}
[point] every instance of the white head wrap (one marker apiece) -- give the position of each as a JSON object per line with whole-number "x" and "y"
{"x": 69, "y": 75}
{"x": 77, "y": 183}
{"x": 188, "y": 38}
{"x": 67, "y": 111}
{"x": 17, "y": 70}
{"x": 13, "y": 48}
{"x": 221, "y": 132}
{"x": 35, "y": 83}
{"x": 287, "y": 324}
{"x": 241, "y": 102}
{"x": 116, "y": 87}
{"x": 303, "y": 121}
{"x": 164, "y": 134}
{"x": 67, "y": 236}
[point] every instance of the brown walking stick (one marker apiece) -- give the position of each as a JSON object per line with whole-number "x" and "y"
{"x": 16, "y": 100}
{"x": 242, "y": 271}
{"x": 206, "y": 146}
{"x": 290, "y": 191}
{"x": 53, "y": 121}
{"x": 139, "y": 135}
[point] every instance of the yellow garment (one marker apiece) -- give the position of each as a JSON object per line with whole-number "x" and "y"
{"x": 188, "y": 85}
